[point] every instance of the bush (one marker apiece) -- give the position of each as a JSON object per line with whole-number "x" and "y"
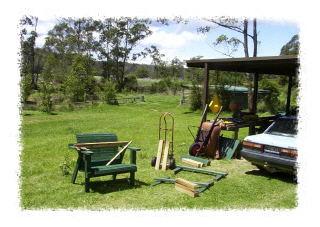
{"x": 195, "y": 98}
{"x": 131, "y": 82}
{"x": 25, "y": 87}
{"x": 109, "y": 93}
{"x": 75, "y": 90}
{"x": 46, "y": 90}
{"x": 271, "y": 101}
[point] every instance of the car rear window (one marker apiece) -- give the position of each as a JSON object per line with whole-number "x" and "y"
{"x": 284, "y": 126}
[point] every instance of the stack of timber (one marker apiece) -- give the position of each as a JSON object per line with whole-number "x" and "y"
{"x": 192, "y": 163}
{"x": 205, "y": 162}
{"x": 187, "y": 187}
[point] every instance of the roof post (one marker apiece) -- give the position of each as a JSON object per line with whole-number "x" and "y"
{"x": 205, "y": 89}
{"x": 255, "y": 92}
{"x": 289, "y": 95}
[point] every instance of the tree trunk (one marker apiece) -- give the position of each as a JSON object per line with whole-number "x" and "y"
{"x": 246, "y": 53}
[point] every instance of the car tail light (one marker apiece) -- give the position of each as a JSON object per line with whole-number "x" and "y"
{"x": 288, "y": 152}
{"x": 253, "y": 146}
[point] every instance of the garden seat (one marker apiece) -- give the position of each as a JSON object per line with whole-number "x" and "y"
{"x": 92, "y": 159}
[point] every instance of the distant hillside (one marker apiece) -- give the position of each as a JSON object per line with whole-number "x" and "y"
{"x": 129, "y": 68}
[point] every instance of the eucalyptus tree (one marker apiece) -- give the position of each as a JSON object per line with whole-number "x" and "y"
{"x": 232, "y": 44}
{"x": 118, "y": 37}
{"x": 68, "y": 38}
{"x": 292, "y": 47}
{"x": 28, "y": 42}
{"x": 156, "y": 57}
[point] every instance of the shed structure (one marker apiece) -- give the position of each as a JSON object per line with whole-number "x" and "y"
{"x": 286, "y": 65}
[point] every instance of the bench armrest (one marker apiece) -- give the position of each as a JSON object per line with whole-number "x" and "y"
{"x": 87, "y": 152}
{"x": 133, "y": 155}
{"x": 134, "y": 148}
{"x": 70, "y": 146}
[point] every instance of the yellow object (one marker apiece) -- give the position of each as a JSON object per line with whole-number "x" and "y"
{"x": 249, "y": 117}
{"x": 215, "y": 104}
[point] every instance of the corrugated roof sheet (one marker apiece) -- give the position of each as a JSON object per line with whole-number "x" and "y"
{"x": 230, "y": 88}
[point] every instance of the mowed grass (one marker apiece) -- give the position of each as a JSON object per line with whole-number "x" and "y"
{"x": 45, "y": 138}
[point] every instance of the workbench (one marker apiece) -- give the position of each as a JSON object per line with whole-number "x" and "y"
{"x": 229, "y": 125}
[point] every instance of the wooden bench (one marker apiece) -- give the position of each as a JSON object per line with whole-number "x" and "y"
{"x": 95, "y": 150}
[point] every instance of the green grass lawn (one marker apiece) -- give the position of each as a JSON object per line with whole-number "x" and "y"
{"x": 44, "y": 139}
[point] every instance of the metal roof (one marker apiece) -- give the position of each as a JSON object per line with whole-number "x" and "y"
{"x": 230, "y": 88}
{"x": 278, "y": 65}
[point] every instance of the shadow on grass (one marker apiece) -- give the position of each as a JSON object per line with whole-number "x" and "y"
{"x": 109, "y": 186}
{"x": 285, "y": 177}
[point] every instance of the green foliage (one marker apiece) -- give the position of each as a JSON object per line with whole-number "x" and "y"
{"x": 109, "y": 93}
{"x": 46, "y": 92}
{"x": 196, "y": 98}
{"x": 292, "y": 47}
{"x": 270, "y": 101}
{"x": 25, "y": 87}
{"x": 131, "y": 82}
{"x": 166, "y": 85}
{"x": 75, "y": 89}
{"x": 142, "y": 72}
{"x": 65, "y": 166}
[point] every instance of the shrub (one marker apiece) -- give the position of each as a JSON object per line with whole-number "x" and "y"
{"x": 25, "y": 87}
{"x": 109, "y": 93}
{"x": 271, "y": 100}
{"x": 46, "y": 90}
{"x": 131, "y": 82}
{"x": 195, "y": 98}
{"x": 75, "y": 90}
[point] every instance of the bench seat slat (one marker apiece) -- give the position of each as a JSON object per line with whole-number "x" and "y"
{"x": 111, "y": 169}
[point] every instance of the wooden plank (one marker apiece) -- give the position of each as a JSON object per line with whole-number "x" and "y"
{"x": 202, "y": 170}
{"x": 190, "y": 193}
{"x": 188, "y": 184}
{"x": 165, "y": 156}
{"x": 176, "y": 170}
{"x": 191, "y": 162}
{"x": 101, "y": 144}
{"x": 125, "y": 147}
{"x": 202, "y": 160}
{"x": 159, "y": 154}
{"x": 186, "y": 188}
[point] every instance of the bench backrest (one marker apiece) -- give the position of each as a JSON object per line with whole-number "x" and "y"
{"x": 101, "y": 155}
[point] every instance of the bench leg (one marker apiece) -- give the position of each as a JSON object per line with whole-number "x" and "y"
{"x": 76, "y": 169}
{"x": 114, "y": 176}
{"x": 132, "y": 178}
{"x": 74, "y": 176}
{"x": 86, "y": 184}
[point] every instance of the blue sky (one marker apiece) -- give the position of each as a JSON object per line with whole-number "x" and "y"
{"x": 184, "y": 42}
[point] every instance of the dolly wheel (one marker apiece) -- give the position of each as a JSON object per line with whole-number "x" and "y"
{"x": 172, "y": 163}
{"x": 193, "y": 150}
{"x": 153, "y": 161}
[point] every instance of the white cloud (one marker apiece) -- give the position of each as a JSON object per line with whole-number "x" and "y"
{"x": 171, "y": 43}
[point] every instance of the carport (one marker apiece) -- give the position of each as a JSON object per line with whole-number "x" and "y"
{"x": 286, "y": 65}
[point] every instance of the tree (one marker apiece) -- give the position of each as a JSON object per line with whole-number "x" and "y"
{"x": 238, "y": 27}
{"x": 118, "y": 37}
{"x": 28, "y": 42}
{"x": 68, "y": 38}
{"x": 292, "y": 47}
{"x": 195, "y": 74}
{"x": 156, "y": 56}
{"x": 176, "y": 68}
{"x": 142, "y": 72}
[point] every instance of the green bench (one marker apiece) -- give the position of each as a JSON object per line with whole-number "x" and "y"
{"x": 94, "y": 153}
